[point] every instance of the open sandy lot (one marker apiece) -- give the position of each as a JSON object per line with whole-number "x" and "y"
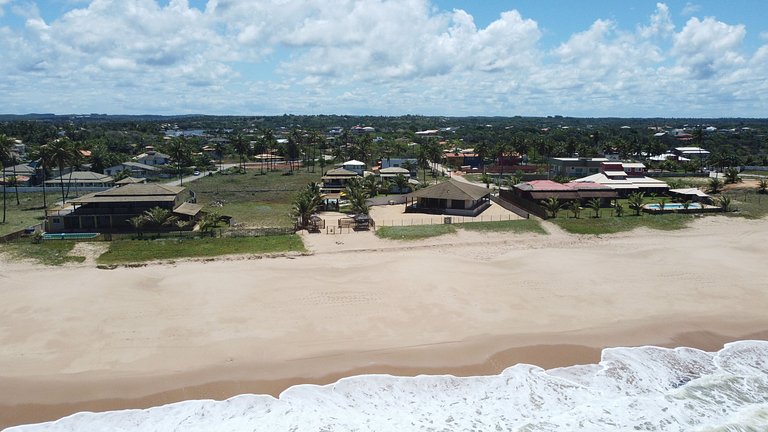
{"x": 80, "y": 338}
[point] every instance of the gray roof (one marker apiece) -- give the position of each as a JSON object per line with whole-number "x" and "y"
{"x": 131, "y": 180}
{"x": 394, "y": 171}
{"x": 21, "y": 169}
{"x": 188, "y": 209}
{"x": 139, "y": 166}
{"x": 452, "y": 189}
{"x": 136, "y": 192}
{"x": 340, "y": 172}
{"x": 82, "y": 177}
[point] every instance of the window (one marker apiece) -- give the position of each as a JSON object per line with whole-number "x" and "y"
{"x": 57, "y": 220}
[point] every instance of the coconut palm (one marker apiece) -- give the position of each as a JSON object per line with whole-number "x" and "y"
{"x": 138, "y": 223}
{"x": 715, "y": 185}
{"x": 762, "y": 186}
{"x": 619, "y": 209}
{"x": 357, "y": 198}
{"x": 159, "y": 217}
{"x": 5, "y": 155}
{"x": 575, "y": 208}
{"x": 594, "y": 205}
{"x": 180, "y": 152}
{"x": 401, "y": 182}
{"x": 552, "y": 206}
{"x": 636, "y": 201}
{"x": 725, "y": 203}
{"x": 208, "y": 223}
{"x": 732, "y": 175}
{"x": 62, "y": 151}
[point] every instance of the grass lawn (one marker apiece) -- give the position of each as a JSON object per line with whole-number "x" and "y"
{"x": 131, "y": 251}
{"x": 414, "y": 232}
{"x": 515, "y": 226}
{"x": 748, "y": 204}
{"x": 48, "y": 252}
{"x": 252, "y": 199}
{"x": 28, "y": 212}
{"x": 610, "y": 225}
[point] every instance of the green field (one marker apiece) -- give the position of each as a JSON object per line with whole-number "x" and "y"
{"x": 252, "y": 199}
{"x": 418, "y": 232}
{"x": 132, "y": 251}
{"x": 28, "y": 212}
{"x": 514, "y": 226}
{"x": 611, "y": 225}
{"x": 47, "y": 253}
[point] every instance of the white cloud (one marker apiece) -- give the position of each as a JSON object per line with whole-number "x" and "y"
{"x": 708, "y": 47}
{"x": 367, "y": 56}
{"x": 690, "y": 9}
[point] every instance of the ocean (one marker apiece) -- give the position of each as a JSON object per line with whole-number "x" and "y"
{"x": 631, "y": 389}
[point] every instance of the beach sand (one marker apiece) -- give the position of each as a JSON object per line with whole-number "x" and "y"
{"x": 79, "y": 338}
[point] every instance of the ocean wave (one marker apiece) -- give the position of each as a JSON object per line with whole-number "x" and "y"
{"x": 631, "y": 389}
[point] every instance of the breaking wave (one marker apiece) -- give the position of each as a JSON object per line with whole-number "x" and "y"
{"x": 631, "y": 389}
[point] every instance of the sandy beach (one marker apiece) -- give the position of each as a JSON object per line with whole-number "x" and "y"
{"x": 79, "y": 338}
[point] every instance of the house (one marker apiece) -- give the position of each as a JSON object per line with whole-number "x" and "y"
{"x": 335, "y": 180}
{"x": 574, "y": 166}
{"x": 24, "y": 174}
{"x": 625, "y": 180}
{"x": 355, "y": 166}
{"x": 411, "y": 164}
{"x": 130, "y": 180}
{"x": 452, "y": 197}
{"x": 691, "y": 152}
{"x": 135, "y": 169}
{"x": 152, "y": 157}
{"x": 391, "y": 174}
{"x": 466, "y": 159}
{"x": 540, "y": 190}
{"x": 82, "y": 179}
{"x": 111, "y": 209}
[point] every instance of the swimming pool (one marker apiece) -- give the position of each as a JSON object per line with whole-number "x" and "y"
{"x": 69, "y": 236}
{"x": 673, "y": 206}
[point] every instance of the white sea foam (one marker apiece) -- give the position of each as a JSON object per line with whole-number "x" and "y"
{"x": 632, "y": 389}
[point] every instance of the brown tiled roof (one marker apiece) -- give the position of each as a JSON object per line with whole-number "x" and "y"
{"x": 452, "y": 189}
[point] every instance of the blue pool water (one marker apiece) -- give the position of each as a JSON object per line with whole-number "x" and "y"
{"x": 673, "y": 206}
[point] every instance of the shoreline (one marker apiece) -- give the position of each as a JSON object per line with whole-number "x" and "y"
{"x": 80, "y": 338}
{"x": 195, "y": 385}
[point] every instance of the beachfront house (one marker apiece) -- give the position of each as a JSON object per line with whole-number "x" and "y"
{"x": 111, "y": 209}
{"x": 451, "y": 197}
{"x": 626, "y": 178}
{"x": 135, "y": 169}
{"x": 82, "y": 179}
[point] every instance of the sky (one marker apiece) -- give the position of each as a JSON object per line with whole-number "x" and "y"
{"x": 586, "y": 58}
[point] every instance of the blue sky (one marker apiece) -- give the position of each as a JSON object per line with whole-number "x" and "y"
{"x": 585, "y": 58}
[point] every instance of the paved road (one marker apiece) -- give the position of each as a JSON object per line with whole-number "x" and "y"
{"x": 192, "y": 178}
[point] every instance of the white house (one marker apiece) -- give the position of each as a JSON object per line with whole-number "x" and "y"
{"x": 153, "y": 158}
{"x": 355, "y": 166}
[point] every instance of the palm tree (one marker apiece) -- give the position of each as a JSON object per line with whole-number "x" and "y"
{"x": 715, "y": 185}
{"x": 5, "y": 155}
{"x": 552, "y": 206}
{"x": 725, "y": 203}
{"x": 575, "y": 208}
{"x": 357, "y": 198}
{"x": 732, "y": 175}
{"x": 422, "y": 158}
{"x": 241, "y": 147}
{"x": 594, "y": 205}
{"x": 636, "y": 201}
{"x": 180, "y": 152}
{"x": 619, "y": 209}
{"x": 306, "y": 204}
{"x": 401, "y": 182}
{"x": 158, "y": 217}
{"x": 10, "y": 157}
{"x": 62, "y": 152}
{"x": 138, "y": 223}
{"x": 762, "y": 186}
{"x": 208, "y": 223}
